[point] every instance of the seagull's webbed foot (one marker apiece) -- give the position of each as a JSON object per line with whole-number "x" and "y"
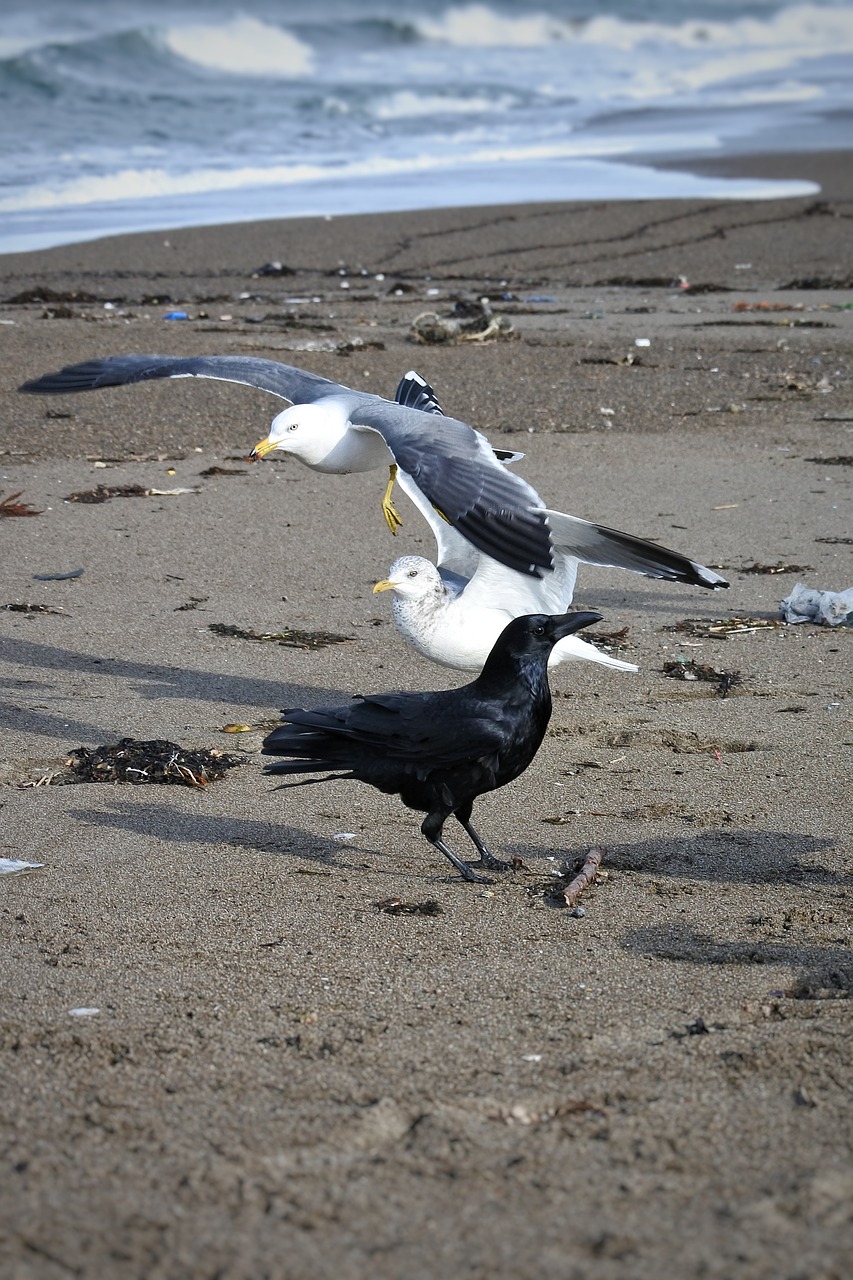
{"x": 487, "y": 859}
{"x": 389, "y": 511}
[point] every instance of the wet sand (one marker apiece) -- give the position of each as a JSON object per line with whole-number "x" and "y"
{"x": 281, "y": 1079}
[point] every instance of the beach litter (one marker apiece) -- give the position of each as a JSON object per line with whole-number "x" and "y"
{"x": 14, "y": 867}
{"x": 806, "y": 604}
{"x": 137, "y": 762}
{"x": 9, "y": 506}
{"x": 689, "y": 669}
{"x": 103, "y": 493}
{"x": 59, "y": 577}
{"x": 398, "y": 907}
{"x": 33, "y": 608}
{"x": 275, "y": 268}
{"x": 291, "y": 637}
{"x": 722, "y": 628}
{"x": 770, "y": 568}
{"x": 467, "y": 322}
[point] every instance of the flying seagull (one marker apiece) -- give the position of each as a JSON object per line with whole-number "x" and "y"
{"x": 438, "y": 751}
{"x": 444, "y": 465}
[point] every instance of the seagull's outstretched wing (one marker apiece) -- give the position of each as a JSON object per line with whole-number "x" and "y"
{"x": 595, "y": 544}
{"x": 283, "y": 380}
{"x": 451, "y": 464}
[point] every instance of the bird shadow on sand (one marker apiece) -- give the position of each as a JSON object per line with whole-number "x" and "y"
{"x": 167, "y": 822}
{"x": 150, "y": 681}
{"x": 612, "y": 599}
{"x": 821, "y": 969}
{"x": 735, "y": 857}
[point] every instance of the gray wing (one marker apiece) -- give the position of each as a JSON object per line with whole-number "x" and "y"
{"x": 456, "y": 470}
{"x": 595, "y": 544}
{"x": 284, "y": 380}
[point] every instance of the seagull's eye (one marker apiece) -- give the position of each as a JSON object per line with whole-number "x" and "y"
{"x": 293, "y": 426}
{"x": 413, "y": 573}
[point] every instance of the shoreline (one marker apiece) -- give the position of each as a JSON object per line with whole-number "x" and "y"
{"x": 832, "y": 171}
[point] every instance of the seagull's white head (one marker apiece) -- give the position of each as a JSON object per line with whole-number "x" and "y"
{"x": 310, "y": 432}
{"x": 413, "y": 578}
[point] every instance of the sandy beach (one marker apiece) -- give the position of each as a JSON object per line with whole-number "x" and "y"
{"x": 277, "y": 1078}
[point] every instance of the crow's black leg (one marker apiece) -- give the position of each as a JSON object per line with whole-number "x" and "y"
{"x": 487, "y": 858}
{"x": 431, "y": 828}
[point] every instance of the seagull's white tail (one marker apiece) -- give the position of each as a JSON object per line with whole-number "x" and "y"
{"x": 573, "y": 649}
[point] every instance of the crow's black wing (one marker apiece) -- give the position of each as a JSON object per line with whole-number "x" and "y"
{"x": 426, "y": 731}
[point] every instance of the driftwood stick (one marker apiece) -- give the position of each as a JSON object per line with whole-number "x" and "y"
{"x": 586, "y": 875}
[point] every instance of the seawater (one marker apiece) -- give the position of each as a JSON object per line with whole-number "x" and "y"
{"x": 118, "y": 116}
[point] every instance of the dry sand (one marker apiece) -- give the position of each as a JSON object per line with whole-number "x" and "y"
{"x": 281, "y": 1080}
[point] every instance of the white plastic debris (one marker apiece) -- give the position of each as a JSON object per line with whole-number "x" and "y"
{"x": 344, "y": 835}
{"x": 12, "y": 866}
{"x": 83, "y": 1012}
{"x": 806, "y": 604}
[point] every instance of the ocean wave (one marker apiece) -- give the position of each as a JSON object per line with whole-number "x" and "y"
{"x": 807, "y": 28}
{"x": 244, "y": 46}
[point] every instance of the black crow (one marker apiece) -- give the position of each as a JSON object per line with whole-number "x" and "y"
{"x": 439, "y": 751}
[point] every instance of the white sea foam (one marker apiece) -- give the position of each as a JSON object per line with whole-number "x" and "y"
{"x": 477, "y": 25}
{"x": 14, "y": 46}
{"x": 244, "y": 46}
{"x": 407, "y": 103}
{"x": 146, "y": 184}
{"x": 808, "y": 29}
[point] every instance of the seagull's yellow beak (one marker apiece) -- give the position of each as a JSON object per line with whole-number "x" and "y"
{"x": 385, "y": 585}
{"x": 262, "y": 448}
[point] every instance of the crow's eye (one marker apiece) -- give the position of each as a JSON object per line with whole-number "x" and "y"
{"x": 539, "y": 631}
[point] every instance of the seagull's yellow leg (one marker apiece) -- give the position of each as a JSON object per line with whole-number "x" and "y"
{"x": 389, "y": 511}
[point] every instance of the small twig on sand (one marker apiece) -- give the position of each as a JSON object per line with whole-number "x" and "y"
{"x": 586, "y": 875}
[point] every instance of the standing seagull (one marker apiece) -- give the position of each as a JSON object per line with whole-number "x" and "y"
{"x": 439, "y": 751}
{"x": 455, "y": 622}
{"x": 442, "y": 464}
